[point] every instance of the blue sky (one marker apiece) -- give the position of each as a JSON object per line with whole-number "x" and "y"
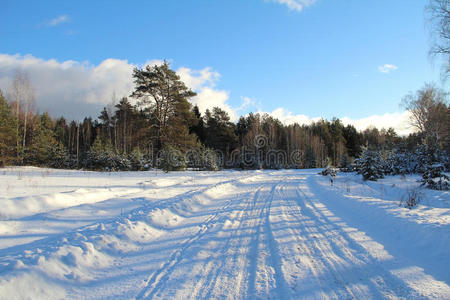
{"x": 320, "y": 58}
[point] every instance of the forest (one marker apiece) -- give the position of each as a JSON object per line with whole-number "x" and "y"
{"x": 162, "y": 129}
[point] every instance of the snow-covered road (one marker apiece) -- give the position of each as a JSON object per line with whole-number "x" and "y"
{"x": 225, "y": 235}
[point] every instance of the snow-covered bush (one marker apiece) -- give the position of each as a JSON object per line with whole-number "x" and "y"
{"x": 370, "y": 165}
{"x": 170, "y": 159}
{"x": 424, "y": 157}
{"x": 210, "y": 160}
{"x": 400, "y": 163}
{"x": 137, "y": 160}
{"x": 328, "y": 171}
{"x": 434, "y": 178}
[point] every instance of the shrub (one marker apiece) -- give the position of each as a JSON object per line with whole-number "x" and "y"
{"x": 411, "y": 198}
{"x": 171, "y": 159}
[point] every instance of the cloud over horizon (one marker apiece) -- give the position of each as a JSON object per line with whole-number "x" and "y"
{"x": 398, "y": 120}
{"x": 78, "y": 89}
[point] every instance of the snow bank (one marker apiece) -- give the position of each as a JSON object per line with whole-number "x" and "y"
{"x": 30, "y": 205}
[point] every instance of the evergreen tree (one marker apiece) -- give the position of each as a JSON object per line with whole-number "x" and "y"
{"x": 198, "y": 126}
{"x": 352, "y": 140}
{"x": 345, "y": 165}
{"x": 220, "y": 132}
{"x": 310, "y": 159}
{"x": 370, "y": 165}
{"x": 137, "y": 160}
{"x": 165, "y": 98}
{"x": 434, "y": 178}
{"x": 170, "y": 159}
{"x": 42, "y": 142}
{"x": 8, "y": 124}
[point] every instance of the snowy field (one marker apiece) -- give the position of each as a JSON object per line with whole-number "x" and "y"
{"x": 219, "y": 235}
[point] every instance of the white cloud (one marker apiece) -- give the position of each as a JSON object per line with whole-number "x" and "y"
{"x": 198, "y": 79}
{"x": 297, "y": 5}
{"x": 387, "y": 68}
{"x": 247, "y": 103}
{"x": 203, "y": 82}
{"x": 288, "y": 118}
{"x": 76, "y": 90}
{"x": 70, "y": 88}
{"x": 398, "y": 121}
{"x": 58, "y": 20}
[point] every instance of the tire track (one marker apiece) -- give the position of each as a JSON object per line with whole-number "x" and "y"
{"x": 157, "y": 280}
{"x": 347, "y": 253}
{"x": 264, "y": 233}
{"x": 236, "y": 241}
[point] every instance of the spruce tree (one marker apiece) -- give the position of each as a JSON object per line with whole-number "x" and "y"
{"x": 42, "y": 142}
{"x": 370, "y": 165}
{"x": 8, "y": 136}
{"x": 435, "y": 178}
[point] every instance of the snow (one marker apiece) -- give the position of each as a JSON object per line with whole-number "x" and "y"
{"x": 287, "y": 234}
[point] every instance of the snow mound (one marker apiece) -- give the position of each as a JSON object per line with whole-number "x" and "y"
{"x": 71, "y": 262}
{"x": 164, "y": 218}
{"x": 221, "y": 190}
{"x": 27, "y": 284}
{"x": 30, "y": 205}
{"x": 138, "y": 231}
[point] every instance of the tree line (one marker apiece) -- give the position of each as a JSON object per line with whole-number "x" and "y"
{"x": 163, "y": 129}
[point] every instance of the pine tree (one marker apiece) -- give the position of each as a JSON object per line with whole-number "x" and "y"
{"x": 165, "y": 97}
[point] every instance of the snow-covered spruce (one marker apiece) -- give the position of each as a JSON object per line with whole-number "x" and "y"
{"x": 434, "y": 178}
{"x": 370, "y": 165}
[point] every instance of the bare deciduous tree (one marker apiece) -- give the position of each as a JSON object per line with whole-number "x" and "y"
{"x": 438, "y": 19}
{"x": 429, "y": 112}
{"x": 24, "y": 98}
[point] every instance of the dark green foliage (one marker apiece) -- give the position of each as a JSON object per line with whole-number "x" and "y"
{"x": 7, "y": 132}
{"x": 345, "y": 165}
{"x": 163, "y": 130}
{"x": 197, "y": 127}
{"x": 42, "y": 142}
{"x": 137, "y": 160}
{"x": 220, "y": 132}
{"x": 370, "y": 165}
{"x": 352, "y": 140}
{"x": 171, "y": 159}
{"x": 434, "y": 178}
{"x": 166, "y": 100}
